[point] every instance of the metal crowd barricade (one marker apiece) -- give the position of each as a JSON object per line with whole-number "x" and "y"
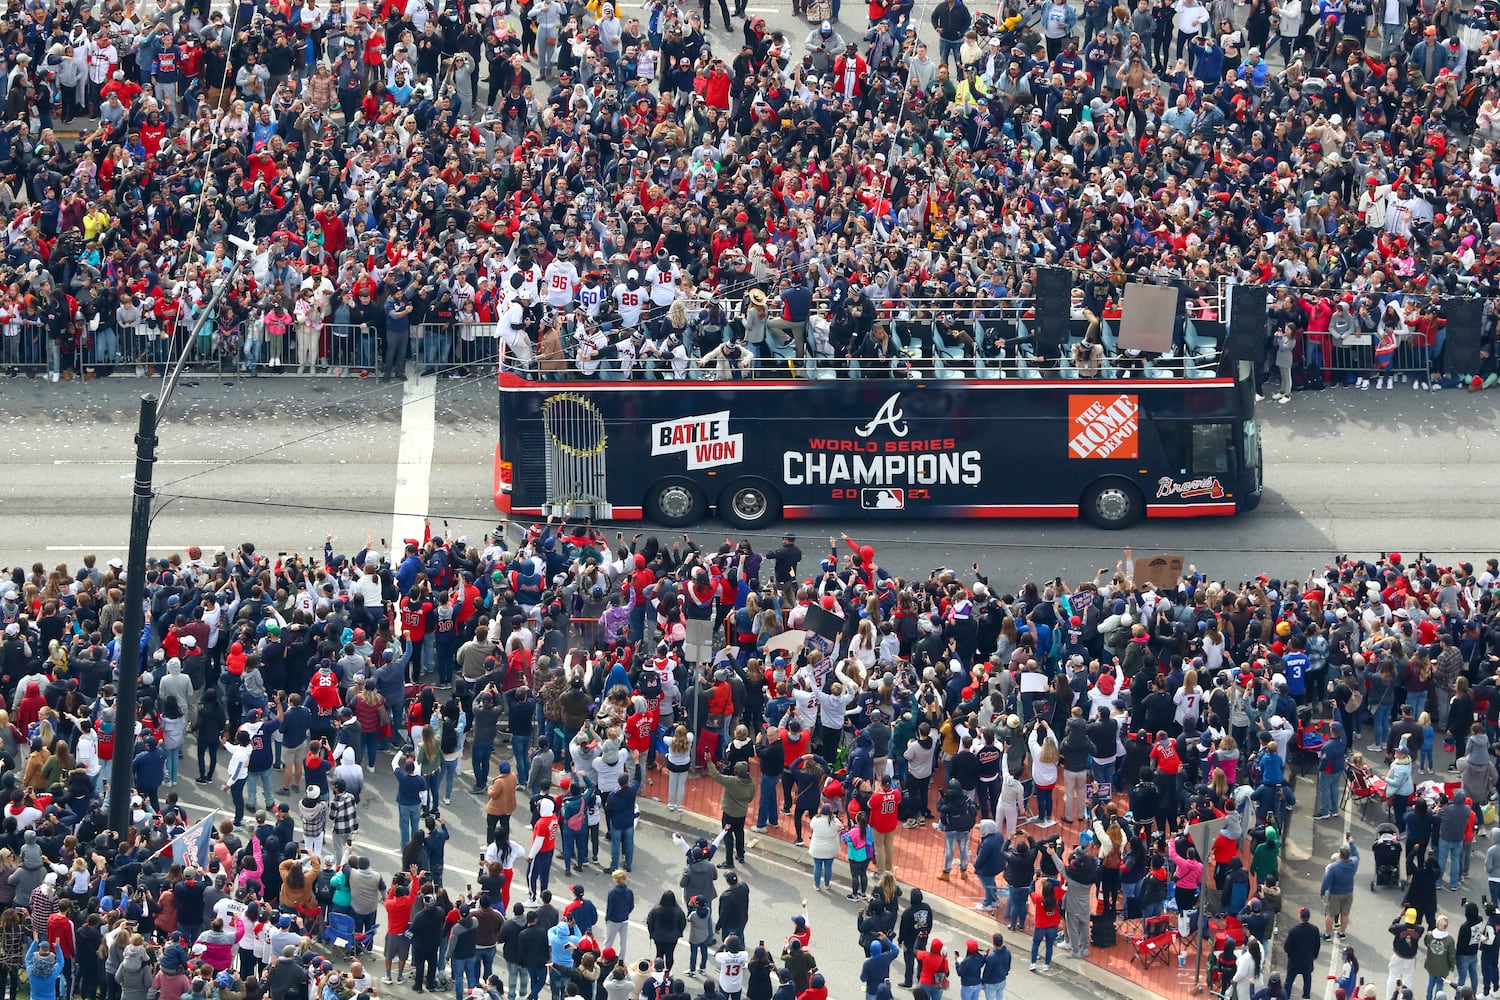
{"x": 1347, "y": 360}
{"x": 346, "y": 349}
{"x": 353, "y": 348}
{"x": 475, "y": 344}
{"x": 24, "y": 351}
{"x": 454, "y": 348}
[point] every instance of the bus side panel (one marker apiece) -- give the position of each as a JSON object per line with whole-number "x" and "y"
{"x": 875, "y": 447}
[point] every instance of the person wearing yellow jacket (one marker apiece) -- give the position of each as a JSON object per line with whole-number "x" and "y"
{"x": 970, "y": 92}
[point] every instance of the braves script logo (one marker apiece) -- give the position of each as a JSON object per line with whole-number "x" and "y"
{"x": 1104, "y": 426}
{"x": 889, "y": 415}
{"x": 1206, "y": 486}
{"x": 704, "y": 439}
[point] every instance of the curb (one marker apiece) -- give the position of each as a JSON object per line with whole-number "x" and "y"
{"x": 1084, "y": 976}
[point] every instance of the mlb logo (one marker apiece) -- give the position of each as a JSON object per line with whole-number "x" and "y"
{"x": 882, "y": 499}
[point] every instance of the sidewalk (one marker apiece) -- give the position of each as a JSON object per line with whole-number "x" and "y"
{"x": 919, "y": 861}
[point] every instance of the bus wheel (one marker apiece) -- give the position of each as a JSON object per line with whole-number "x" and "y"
{"x": 749, "y": 504}
{"x": 1112, "y": 503}
{"x": 675, "y": 503}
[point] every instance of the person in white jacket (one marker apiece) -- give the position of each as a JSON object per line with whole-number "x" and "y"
{"x": 1106, "y": 688}
{"x": 88, "y": 751}
{"x": 823, "y": 845}
{"x": 1008, "y": 815}
{"x": 1189, "y": 701}
{"x": 1189, "y": 18}
{"x": 1044, "y": 757}
{"x": 1291, "y": 14}
{"x": 833, "y": 707}
{"x": 1247, "y": 970}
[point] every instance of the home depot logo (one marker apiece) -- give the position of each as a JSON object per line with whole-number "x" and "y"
{"x": 1104, "y": 426}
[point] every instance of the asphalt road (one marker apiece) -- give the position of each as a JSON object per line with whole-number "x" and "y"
{"x": 281, "y": 465}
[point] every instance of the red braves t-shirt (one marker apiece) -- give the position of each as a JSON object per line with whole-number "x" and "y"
{"x": 883, "y": 806}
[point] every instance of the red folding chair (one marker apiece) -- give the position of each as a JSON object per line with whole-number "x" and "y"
{"x": 1157, "y": 942}
{"x": 1365, "y": 787}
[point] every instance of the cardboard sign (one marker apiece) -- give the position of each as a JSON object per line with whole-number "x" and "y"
{"x": 1164, "y": 571}
{"x": 823, "y": 622}
{"x": 789, "y": 642}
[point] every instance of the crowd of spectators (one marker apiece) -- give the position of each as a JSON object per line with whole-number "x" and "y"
{"x": 1067, "y": 733}
{"x": 463, "y": 171}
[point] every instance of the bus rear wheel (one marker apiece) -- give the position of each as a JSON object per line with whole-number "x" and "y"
{"x": 749, "y": 504}
{"x": 1113, "y": 504}
{"x": 676, "y": 503}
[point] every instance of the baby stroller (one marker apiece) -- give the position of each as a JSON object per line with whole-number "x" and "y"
{"x": 1387, "y": 851}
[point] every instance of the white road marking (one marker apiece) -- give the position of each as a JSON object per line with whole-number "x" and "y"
{"x": 1336, "y": 952}
{"x": 124, "y": 546}
{"x": 413, "y": 460}
{"x": 131, "y": 461}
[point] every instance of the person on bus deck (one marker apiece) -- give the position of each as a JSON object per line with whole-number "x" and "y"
{"x": 875, "y": 352}
{"x": 729, "y": 360}
{"x": 795, "y": 305}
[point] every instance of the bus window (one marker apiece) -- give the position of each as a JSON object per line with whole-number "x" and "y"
{"x": 1211, "y": 450}
{"x": 1196, "y": 449}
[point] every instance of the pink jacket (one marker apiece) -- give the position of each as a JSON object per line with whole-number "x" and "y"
{"x": 1189, "y": 872}
{"x": 255, "y": 871}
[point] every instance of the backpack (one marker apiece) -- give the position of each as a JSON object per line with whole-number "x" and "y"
{"x": 1356, "y": 698}
{"x": 968, "y": 813}
{"x": 323, "y": 888}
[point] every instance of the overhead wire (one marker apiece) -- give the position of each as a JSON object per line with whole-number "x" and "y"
{"x": 172, "y": 373}
{"x": 467, "y": 517}
{"x": 363, "y": 417}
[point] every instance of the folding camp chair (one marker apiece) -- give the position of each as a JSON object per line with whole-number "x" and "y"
{"x": 339, "y": 931}
{"x": 1364, "y": 786}
{"x": 1158, "y": 941}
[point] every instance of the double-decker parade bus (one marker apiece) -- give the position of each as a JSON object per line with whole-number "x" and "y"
{"x": 756, "y": 451}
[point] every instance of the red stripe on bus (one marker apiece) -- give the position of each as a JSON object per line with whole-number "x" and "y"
{"x": 1189, "y": 509}
{"x": 1015, "y": 510}
{"x": 508, "y": 381}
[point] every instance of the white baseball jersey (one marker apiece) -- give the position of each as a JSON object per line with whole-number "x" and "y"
{"x": 663, "y": 281}
{"x": 590, "y": 298}
{"x": 631, "y": 301}
{"x": 560, "y": 278}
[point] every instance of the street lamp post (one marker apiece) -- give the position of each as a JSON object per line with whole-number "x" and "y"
{"x": 121, "y": 782}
